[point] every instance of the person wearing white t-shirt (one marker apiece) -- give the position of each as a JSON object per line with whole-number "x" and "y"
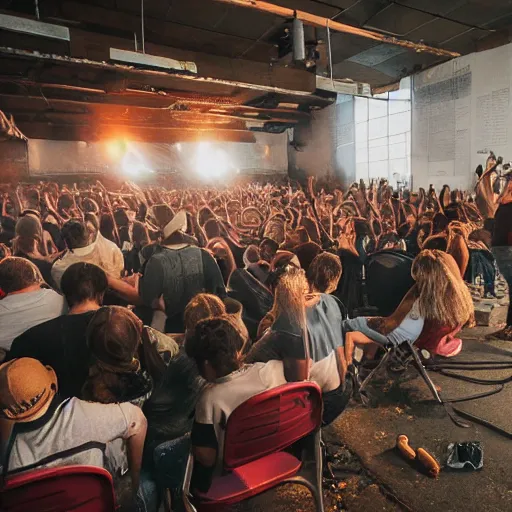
{"x": 40, "y": 430}
{"x": 24, "y": 302}
{"x": 86, "y": 244}
{"x": 217, "y": 346}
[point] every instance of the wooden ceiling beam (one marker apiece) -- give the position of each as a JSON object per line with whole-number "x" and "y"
{"x": 20, "y": 104}
{"x": 81, "y": 119}
{"x": 321, "y": 22}
{"x": 52, "y": 131}
{"x": 94, "y": 46}
{"x": 61, "y": 68}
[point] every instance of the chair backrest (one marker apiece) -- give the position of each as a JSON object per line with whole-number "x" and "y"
{"x": 271, "y": 421}
{"x": 60, "y": 489}
{"x": 388, "y": 279}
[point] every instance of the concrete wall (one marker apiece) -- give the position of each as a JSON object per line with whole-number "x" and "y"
{"x": 268, "y": 155}
{"x": 326, "y": 144}
{"x": 13, "y": 161}
{"x": 461, "y": 110}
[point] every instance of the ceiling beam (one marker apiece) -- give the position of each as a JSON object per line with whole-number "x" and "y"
{"x": 319, "y": 21}
{"x": 159, "y": 78}
{"x": 88, "y": 133}
{"x": 14, "y": 103}
{"x": 94, "y": 46}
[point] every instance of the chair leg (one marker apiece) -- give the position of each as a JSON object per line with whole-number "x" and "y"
{"x": 370, "y": 376}
{"x": 310, "y": 475}
{"x": 428, "y": 381}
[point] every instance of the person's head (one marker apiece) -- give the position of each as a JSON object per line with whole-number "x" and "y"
{"x": 443, "y": 296}
{"x": 18, "y": 274}
{"x": 203, "y": 305}
{"x": 251, "y": 255}
{"x": 281, "y": 263}
{"x": 120, "y": 343}
{"x": 92, "y": 224}
{"x": 90, "y": 206}
{"x": 107, "y": 227}
{"x": 75, "y": 234}
{"x": 162, "y": 214}
{"x": 324, "y": 273}
{"x": 216, "y": 345}
{"x": 175, "y": 230}
{"x": 84, "y": 283}
{"x": 212, "y": 228}
{"x": 29, "y": 226}
{"x": 140, "y": 234}
{"x": 268, "y": 249}
{"x": 114, "y": 336}
{"x": 65, "y": 202}
{"x": 283, "y": 259}
{"x": 289, "y": 296}
{"x": 439, "y": 223}
{"x": 260, "y": 270}
{"x": 27, "y": 389}
{"x": 306, "y": 253}
{"x": 121, "y": 218}
{"x": 223, "y": 255}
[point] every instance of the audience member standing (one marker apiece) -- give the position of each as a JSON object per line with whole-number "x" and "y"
{"x": 179, "y": 272}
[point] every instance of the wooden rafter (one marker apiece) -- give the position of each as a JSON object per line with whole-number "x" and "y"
{"x": 319, "y": 21}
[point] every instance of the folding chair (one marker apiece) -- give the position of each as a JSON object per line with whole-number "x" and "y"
{"x": 258, "y": 432}
{"x": 401, "y": 357}
{"x": 77, "y": 488}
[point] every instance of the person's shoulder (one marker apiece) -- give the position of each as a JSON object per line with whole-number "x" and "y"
{"x": 107, "y": 412}
{"x": 330, "y": 301}
{"x": 42, "y": 331}
{"x": 52, "y": 297}
{"x": 208, "y": 395}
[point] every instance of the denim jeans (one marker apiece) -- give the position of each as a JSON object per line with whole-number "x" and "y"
{"x": 503, "y": 255}
{"x": 170, "y": 464}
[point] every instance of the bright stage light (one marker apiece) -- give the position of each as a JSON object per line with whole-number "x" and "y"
{"x": 211, "y": 162}
{"x": 133, "y": 164}
{"x": 115, "y": 149}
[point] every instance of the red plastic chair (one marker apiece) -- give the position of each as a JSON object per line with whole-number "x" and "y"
{"x": 257, "y": 433}
{"x": 60, "y": 489}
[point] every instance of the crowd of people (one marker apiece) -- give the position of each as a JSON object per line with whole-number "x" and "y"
{"x": 135, "y": 320}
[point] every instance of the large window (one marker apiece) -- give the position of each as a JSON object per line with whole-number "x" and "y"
{"x": 383, "y": 135}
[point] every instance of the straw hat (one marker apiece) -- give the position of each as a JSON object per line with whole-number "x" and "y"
{"x": 27, "y": 388}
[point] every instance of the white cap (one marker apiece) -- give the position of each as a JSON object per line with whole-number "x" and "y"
{"x": 178, "y": 223}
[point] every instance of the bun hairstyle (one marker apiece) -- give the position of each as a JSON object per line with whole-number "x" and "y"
{"x": 200, "y": 307}
{"x": 218, "y": 341}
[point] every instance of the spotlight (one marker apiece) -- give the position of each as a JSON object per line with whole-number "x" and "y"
{"x": 133, "y": 165}
{"x": 115, "y": 149}
{"x": 211, "y": 162}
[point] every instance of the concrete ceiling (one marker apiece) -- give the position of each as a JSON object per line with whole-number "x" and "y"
{"x": 215, "y": 28}
{"x": 246, "y": 80}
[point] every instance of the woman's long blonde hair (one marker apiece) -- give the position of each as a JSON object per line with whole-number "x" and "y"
{"x": 443, "y": 296}
{"x": 290, "y": 297}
